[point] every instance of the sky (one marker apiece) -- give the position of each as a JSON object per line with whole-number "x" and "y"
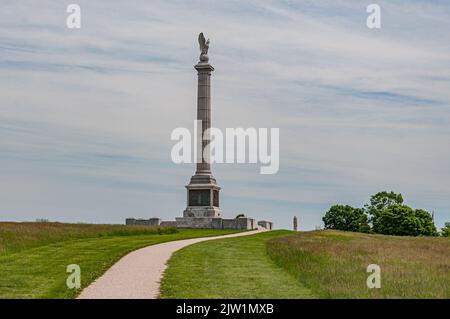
{"x": 86, "y": 114}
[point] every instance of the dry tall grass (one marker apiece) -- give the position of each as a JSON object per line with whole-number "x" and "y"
{"x": 334, "y": 263}
{"x": 17, "y": 236}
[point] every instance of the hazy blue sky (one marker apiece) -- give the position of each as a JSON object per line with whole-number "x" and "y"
{"x": 86, "y": 115}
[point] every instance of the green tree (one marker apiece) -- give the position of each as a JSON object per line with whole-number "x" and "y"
{"x": 402, "y": 220}
{"x": 383, "y": 200}
{"x": 346, "y": 218}
{"x": 379, "y": 202}
{"x": 445, "y": 231}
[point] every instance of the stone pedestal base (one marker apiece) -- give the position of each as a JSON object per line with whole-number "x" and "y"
{"x": 216, "y": 223}
{"x": 199, "y": 222}
{"x": 242, "y": 223}
{"x": 202, "y": 212}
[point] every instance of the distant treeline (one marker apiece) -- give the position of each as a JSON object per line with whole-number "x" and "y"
{"x": 385, "y": 214}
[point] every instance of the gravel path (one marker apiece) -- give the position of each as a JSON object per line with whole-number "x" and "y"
{"x": 138, "y": 274}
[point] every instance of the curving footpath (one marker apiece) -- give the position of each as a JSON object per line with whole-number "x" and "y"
{"x": 138, "y": 274}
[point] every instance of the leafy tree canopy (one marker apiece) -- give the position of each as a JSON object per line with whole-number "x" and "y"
{"x": 445, "y": 232}
{"x": 383, "y": 200}
{"x": 385, "y": 214}
{"x": 346, "y": 218}
{"x": 403, "y": 221}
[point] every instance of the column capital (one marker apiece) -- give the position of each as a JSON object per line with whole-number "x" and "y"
{"x": 204, "y": 66}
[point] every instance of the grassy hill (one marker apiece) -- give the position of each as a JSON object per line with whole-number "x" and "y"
{"x": 333, "y": 264}
{"x": 34, "y": 256}
{"x": 317, "y": 264}
{"x": 230, "y": 268}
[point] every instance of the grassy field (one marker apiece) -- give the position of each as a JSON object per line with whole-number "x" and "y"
{"x": 277, "y": 264}
{"x": 333, "y": 264}
{"x": 34, "y": 256}
{"x": 230, "y": 268}
{"x": 17, "y": 236}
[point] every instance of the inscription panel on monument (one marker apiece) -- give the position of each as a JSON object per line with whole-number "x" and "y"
{"x": 216, "y": 198}
{"x": 199, "y": 197}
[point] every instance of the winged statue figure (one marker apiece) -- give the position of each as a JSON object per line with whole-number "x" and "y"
{"x": 204, "y": 44}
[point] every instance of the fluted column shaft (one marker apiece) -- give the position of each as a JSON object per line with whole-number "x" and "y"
{"x": 204, "y": 109}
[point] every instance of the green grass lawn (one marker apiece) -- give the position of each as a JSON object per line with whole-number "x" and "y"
{"x": 333, "y": 264}
{"x": 230, "y": 268}
{"x": 276, "y": 264}
{"x": 38, "y": 269}
{"x": 17, "y": 236}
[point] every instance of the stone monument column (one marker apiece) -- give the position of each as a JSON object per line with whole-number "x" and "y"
{"x": 204, "y": 70}
{"x": 203, "y": 191}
